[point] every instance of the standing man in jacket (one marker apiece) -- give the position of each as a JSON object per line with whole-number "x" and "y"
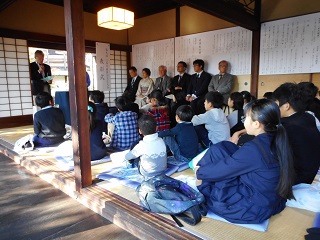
{"x": 39, "y": 71}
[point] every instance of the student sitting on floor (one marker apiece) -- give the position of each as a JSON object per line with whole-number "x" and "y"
{"x": 145, "y": 108}
{"x": 216, "y": 127}
{"x": 311, "y": 102}
{"x": 182, "y": 140}
{"x": 236, "y": 118}
{"x": 247, "y": 97}
{"x": 159, "y": 110}
{"x": 98, "y": 149}
{"x": 48, "y": 123}
{"x": 251, "y": 183}
{"x": 130, "y": 104}
{"x": 97, "y": 97}
{"x": 178, "y": 100}
{"x": 125, "y": 126}
{"x": 151, "y": 151}
{"x": 303, "y": 134}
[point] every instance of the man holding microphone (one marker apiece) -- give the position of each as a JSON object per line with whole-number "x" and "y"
{"x": 39, "y": 74}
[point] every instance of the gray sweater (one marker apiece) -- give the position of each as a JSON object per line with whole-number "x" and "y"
{"x": 216, "y": 123}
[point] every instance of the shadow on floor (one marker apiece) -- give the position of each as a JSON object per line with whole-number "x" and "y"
{"x": 30, "y": 208}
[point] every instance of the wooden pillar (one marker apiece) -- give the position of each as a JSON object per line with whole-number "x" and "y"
{"x": 255, "y": 55}
{"x": 73, "y": 15}
{"x": 178, "y": 21}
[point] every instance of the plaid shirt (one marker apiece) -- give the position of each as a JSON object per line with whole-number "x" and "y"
{"x": 161, "y": 115}
{"x": 125, "y": 129}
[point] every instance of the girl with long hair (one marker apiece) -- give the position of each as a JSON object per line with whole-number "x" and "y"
{"x": 251, "y": 183}
{"x": 98, "y": 149}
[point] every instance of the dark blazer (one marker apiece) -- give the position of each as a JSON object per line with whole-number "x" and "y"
{"x": 36, "y": 83}
{"x": 49, "y": 123}
{"x": 224, "y": 85}
{"x": 184, "y": 83}
{"x": 199, "y": 86}
{"x": 186, "y": 138}
{"x": 133, "y": 88}
{"x": 304, "y": 139}
{"x": 98, "y": 149}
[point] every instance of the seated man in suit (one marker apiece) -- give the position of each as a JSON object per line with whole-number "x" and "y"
{"x": 181, "y": 81}
{"x": 222, "y": 82}
{"x": 163, "y": 82}
{"x": 198, "y": 87}
{"x": 133, "y": 84}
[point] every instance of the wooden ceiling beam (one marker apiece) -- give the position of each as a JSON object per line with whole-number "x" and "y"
{"x": 5, "y": 3}
{"x": 225, "y": 11}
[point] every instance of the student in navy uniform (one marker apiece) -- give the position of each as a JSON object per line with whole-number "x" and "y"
{"x": 198, "y": 87}
{"x": 180, "y": 99}
{"x": 130, "y": 105}
{"x": 48, "y": 123}
{"x": 182, "y": 140}
{"x": 303, "y": 134}
{"x": 310, "y": 92}
{"x": 97, "y": 97}
{"x": 98, "y": 149}
{"x": 236, "y": 118}
{"x": 251, "y": 183}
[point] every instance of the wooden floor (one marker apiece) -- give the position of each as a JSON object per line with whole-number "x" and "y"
{"x": 30, "y": 208}
{"x": 119, "y": 204}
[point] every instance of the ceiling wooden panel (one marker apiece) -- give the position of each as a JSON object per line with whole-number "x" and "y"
{"x": 141, "y": 8}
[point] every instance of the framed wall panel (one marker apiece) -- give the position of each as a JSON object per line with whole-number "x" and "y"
{"x": 14, "y": 78}
{"x": 118, "y": 75}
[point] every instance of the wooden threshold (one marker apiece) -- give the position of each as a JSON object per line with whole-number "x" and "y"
{"x": 122, "y": 212}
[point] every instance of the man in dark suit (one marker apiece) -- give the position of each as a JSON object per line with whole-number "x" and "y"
{"x": 163, "y": 82}
{"x": 133, "y": 84}
{"x": 198, "y": 87}
{"x": 38, "y": 71}
{"x": 222, "y": 82}
{"x": 181, "y": 82}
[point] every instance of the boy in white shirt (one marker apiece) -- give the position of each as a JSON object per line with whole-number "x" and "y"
{"x": 212, "y": 126}
{"x": 151, "y": 150}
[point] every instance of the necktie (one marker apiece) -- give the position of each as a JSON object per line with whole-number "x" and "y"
{"x": 220, "y": 76}
{"x": 160, "y": 85}
{"x": 132, "y": 82}
{"x": 179, "y": 79}
{"x": 198, "y": 75}
{"x": 43, "y": 73}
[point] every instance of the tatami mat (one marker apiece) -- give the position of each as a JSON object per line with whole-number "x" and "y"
{"x": 289, "y": 224}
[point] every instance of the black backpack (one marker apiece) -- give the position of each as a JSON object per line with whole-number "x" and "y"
{"x": 163, "y": 194}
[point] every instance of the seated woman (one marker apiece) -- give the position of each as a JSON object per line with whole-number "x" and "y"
{"x": 251, "y": 183}
{"x": 159, "y": 110}
{"x": 144, "y": 88}
{"x": 235, "y": 118}
{"x": 98, "y": 149}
